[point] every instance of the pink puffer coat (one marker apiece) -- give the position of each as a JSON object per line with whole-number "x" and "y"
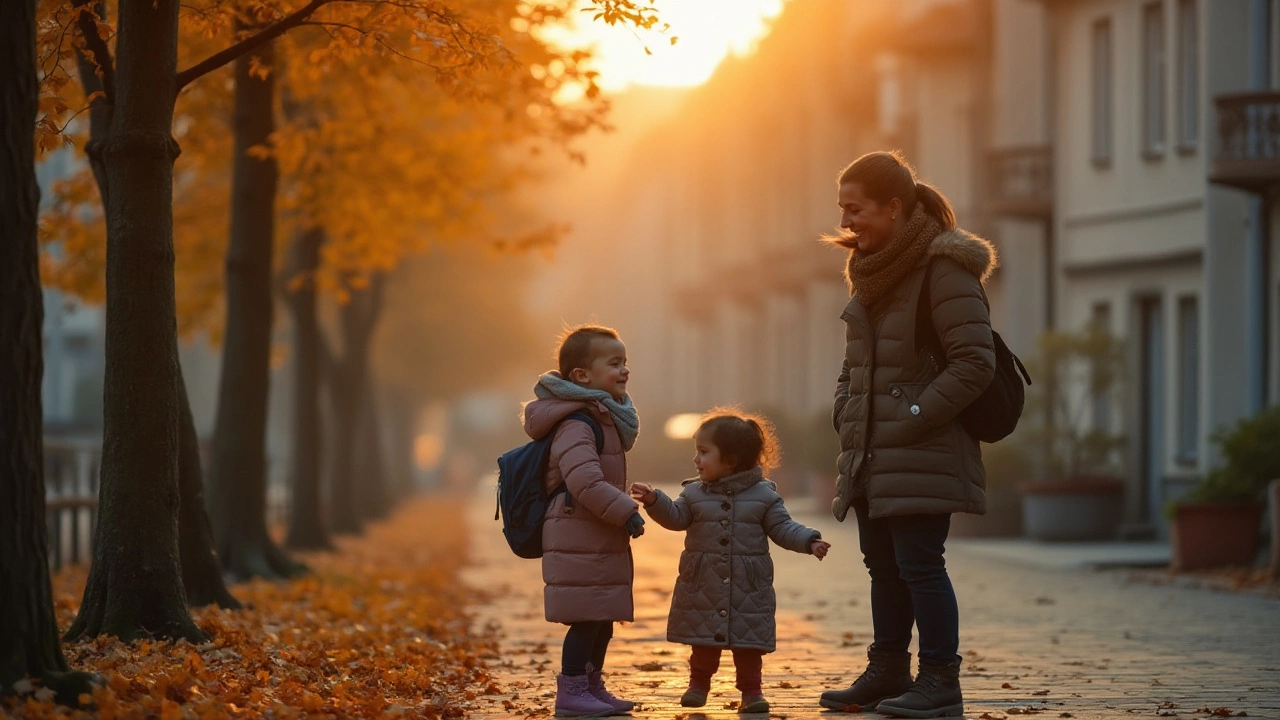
{"x": 586, "y": 561}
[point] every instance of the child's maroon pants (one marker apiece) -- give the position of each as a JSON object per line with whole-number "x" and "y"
{"x": 704, "y": 660}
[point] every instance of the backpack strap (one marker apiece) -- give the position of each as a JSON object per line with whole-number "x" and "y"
{"x": 599, "y": 434}
{"x": 595, "y": 427}
{"x": 927, "y": 339}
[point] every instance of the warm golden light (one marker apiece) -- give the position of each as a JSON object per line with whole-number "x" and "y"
{"x": 682, "y": 426}
{"x": 428, "y": 449}
{"x": 706, "y": 30}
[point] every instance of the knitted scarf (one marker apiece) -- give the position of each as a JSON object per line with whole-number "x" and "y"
{"x": 625, "y": 418}
{"x": 873, "y": 275}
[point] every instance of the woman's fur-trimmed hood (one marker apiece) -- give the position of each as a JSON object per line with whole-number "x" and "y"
{"x": 973, "y": 253}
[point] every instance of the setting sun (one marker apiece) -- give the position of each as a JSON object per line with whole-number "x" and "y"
{"x": 706, "y": 31}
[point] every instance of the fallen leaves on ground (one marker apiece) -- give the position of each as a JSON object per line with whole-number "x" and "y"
{"x": 378, "y": 629}
{"x": 650, "y": 667}
{"x": 1222, "y": 712}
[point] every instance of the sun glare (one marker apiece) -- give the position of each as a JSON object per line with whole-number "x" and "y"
{"x": 707, "y": 31}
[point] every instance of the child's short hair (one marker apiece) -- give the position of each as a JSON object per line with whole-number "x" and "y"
{"x": 575, "y": 346}
{"x": 744, "y": 439}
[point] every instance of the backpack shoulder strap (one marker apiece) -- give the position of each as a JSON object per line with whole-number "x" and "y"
{"x": 926, "y": 334}
{"x": 595, "y": 427}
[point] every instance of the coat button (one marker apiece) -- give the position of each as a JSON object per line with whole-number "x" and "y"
{"x": 897, "y": 392}
{"x": 725, "y": 581}
{"x": 724, "y": 541}
{"x": 723, "y": 613}
{"x": 915, "y": 409}
{"x": 724, "y": 506}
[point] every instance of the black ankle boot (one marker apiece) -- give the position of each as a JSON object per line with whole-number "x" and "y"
{"x": 888, "y": 674}
{"x": 935, "y": 693}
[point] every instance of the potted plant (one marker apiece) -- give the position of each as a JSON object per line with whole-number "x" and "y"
{"x": 1078, "y": 494}
{"x": 1216, "y": 522}
{"x": 1007, "y": 464}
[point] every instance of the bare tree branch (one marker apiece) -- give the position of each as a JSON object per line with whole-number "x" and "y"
{"x": 326, "y": 25}
{"x": 101, "y": 55}
{"x": 247, "y": 45}
{"x": 97, "y": 77}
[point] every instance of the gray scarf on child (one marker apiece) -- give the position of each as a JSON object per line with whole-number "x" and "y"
{"x": 553, "y": 385}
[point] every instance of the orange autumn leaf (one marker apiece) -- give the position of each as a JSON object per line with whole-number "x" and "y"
{"x": 381, "y": 624}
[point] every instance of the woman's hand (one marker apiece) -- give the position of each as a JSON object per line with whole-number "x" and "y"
{"x": 819, "y": 548}
{"x": 643, "y": 493}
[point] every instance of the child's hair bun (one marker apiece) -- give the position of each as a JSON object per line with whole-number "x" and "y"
{"x": 744, "y": 439}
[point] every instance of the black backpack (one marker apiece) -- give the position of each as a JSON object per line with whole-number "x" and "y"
{"x": 522, "y": 494}
{"x": 995, "y": 413}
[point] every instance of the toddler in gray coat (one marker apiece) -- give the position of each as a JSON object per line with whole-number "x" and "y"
{"x": 724, "y": 593}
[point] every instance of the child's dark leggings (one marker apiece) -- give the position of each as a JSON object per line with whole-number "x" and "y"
{"x": 586, "y": 642}
{"x": 704, "y": 660}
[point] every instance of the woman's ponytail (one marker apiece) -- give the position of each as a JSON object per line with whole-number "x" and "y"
{"x": 937, "y": 205}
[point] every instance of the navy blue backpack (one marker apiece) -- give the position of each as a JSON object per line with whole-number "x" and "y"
{"x": 522, "y": 494}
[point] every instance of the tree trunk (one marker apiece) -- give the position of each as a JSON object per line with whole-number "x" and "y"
{"x": 201, "y": 569}
{"x": 347, "y": 386}
{"x": 306, "y": 523}
{"x": 403, "y": 435}
{"x": 28, "y": 629}
{"x": 135, "y": 583}
{"x": 374, "y": 498}
{"x": 237, "y": 478}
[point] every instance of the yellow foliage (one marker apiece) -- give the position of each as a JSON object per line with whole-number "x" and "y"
{"x": 400, "y": 125}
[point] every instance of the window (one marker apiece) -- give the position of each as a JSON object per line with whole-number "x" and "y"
{"x": 1188, "y": 379}
{"x": 1102, "y": 92}
{"x": 1102, "y": 409}
{"x": 1188, "y": 74}
{"x": 1153, "y": 72}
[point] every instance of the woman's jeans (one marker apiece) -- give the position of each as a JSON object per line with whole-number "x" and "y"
{"x": 585, "y": 644}
{"x": 909, "y": 583}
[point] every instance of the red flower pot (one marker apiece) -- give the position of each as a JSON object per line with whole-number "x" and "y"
{"x": 1214, "y": 534}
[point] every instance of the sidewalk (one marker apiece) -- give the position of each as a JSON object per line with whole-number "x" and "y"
{"x": 1050, "y": 641}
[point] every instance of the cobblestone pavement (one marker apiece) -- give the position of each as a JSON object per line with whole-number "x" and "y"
{"x": 1057, "y": 643}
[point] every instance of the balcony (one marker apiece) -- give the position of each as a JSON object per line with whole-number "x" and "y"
{"x": 1022, "y": 182}
{"x": 1248, "y": 141}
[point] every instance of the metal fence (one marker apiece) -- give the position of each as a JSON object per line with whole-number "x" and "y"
{"x": 71, "y": 477}
{"x": 71, "y": 498}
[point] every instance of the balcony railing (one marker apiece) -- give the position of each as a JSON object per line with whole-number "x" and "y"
{"x": 1022, "y": 182}
{"x": 1248, "y": 141}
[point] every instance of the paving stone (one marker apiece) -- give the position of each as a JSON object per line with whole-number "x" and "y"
{"x": 1047, "y": 639}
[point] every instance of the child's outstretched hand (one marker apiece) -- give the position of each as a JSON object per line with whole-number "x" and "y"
{"x": 819, "y": 548}
{"x": 643, "y": 493}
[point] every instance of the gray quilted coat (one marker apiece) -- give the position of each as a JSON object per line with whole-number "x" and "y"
{"x": 724, "y": 593}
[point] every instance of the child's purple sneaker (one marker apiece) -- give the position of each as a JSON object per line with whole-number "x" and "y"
{"x": 595, "y": 681}
{"x": 574, "y": 698}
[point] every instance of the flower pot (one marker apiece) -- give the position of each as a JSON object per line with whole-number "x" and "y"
{"x": 1002, "y": 519}
{"x": 1214, "y": 534}
{"x": 1081, "y": 509}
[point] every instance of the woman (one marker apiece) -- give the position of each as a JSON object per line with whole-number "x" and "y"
{"x": 906, "y": 462}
